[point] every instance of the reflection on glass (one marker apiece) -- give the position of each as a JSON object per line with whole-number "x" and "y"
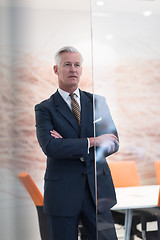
{"x": 106, "y": 141}
{"x": 126, "y": 43}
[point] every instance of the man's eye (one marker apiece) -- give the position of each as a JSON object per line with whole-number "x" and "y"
{"x": 77, "y": 65}
{"x": 67, "y": 64}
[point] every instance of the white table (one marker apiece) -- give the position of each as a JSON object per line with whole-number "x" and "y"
{"x": 130, "y": 199}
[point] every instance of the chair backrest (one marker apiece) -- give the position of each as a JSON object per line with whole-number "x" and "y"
{"x": 158, "y": 204}
{"x": 31, "y": 187}
{"x": 157, "y": 170}
{"x": 124, "y": 174}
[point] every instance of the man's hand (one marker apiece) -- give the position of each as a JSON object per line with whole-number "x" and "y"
{"x": 55, "y": 134}
{"x": 106, "y": 140}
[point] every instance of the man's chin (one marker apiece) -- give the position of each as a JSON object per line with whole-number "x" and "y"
{"x": 74, "y": 82}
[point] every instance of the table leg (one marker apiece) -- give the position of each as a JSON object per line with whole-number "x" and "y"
{"x": 128, "y": 223}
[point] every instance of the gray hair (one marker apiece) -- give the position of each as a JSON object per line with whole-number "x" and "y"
{"x": 63, "y": 50}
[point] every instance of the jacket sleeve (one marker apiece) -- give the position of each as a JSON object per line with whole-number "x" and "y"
{"x": 59, "y": 147}
{"x": 105, "y": 125}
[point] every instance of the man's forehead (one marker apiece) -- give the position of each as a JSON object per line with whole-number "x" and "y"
{"x": 69, "y": 56}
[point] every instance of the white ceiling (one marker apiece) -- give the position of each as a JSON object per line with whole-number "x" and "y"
{"x": 84, "y": 5}
{"x": 122, "y": 28}
{"x": 130, "y": 6}
{"x": 118, "y": 25}
{"x": 81, "y": 5}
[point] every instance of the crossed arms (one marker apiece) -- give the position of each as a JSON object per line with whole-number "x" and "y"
{"x": 106, "y": 140}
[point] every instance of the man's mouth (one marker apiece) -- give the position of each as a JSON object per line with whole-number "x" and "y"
{"x": 72, "y": 76}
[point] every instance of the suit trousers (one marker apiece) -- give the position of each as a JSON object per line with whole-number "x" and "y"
{"x": 66, "y": 228}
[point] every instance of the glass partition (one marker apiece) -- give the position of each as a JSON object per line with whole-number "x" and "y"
{"x": 30, "y": 34}
{"x": 126, "y": 70}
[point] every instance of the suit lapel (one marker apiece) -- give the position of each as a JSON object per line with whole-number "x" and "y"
{"x": 62, "y": 107}
{"x": 86, "y": 114}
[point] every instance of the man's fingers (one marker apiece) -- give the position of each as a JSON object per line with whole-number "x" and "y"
{"x": 114, "y": 139}
{"x": 111, "y": 147}
{"x": 55, "y": 134}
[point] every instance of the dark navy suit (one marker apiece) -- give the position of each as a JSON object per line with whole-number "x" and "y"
{"x": 68, "y": 161}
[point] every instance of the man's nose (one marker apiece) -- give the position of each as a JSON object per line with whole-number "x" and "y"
{"x": 73, "y": 68}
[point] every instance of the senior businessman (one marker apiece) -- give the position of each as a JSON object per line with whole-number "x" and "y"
{"x": 65, "y": 132}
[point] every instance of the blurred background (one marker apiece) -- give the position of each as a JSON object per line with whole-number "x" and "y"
{"x": 120, "y": 44}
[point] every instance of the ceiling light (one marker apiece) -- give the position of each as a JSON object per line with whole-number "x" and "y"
{"x": 147, "y": 13}
{"x": 109, "y": 36}
{"x": 100, "y": 3}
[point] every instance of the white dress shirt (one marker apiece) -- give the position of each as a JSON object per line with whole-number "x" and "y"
{"x": 67, "y": 98}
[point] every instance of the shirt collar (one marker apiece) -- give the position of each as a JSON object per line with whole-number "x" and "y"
{"x": 65, "y": 94}
{"x": 77, "y": 93}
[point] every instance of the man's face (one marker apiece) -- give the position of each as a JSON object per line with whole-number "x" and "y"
{"x": 69, "y": 71}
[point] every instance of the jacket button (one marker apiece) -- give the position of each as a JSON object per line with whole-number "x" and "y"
{"x": 84, "y": 173}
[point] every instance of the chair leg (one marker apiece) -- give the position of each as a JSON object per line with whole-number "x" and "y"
{"x": 82, "y": 232}
{"x": 158, "y": 222}
{"x": 43, "y": 226}
{"x": 144, "y": 228}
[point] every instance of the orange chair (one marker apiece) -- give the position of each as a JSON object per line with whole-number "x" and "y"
{"x": 158, "y": 204}
{"x": 31, "y": 187}
{"x": 153, "y": 214}
{"x": 37, "y": 198}
{"x": 148, "y": 216}
{"x": 124, "y": 174}
{"x": 157, "y": 170}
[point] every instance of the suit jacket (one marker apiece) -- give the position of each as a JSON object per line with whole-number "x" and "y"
{"x": 65, "y": 171}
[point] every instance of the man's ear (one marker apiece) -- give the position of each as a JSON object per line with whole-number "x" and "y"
{"x": 55, "y": 68}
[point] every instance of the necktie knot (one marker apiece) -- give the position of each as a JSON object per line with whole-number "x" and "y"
{"x": 71, "y": 95}
{"x": 75, "y": 109}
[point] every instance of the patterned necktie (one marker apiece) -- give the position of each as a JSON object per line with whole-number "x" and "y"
{"x": 75, "y": 108}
